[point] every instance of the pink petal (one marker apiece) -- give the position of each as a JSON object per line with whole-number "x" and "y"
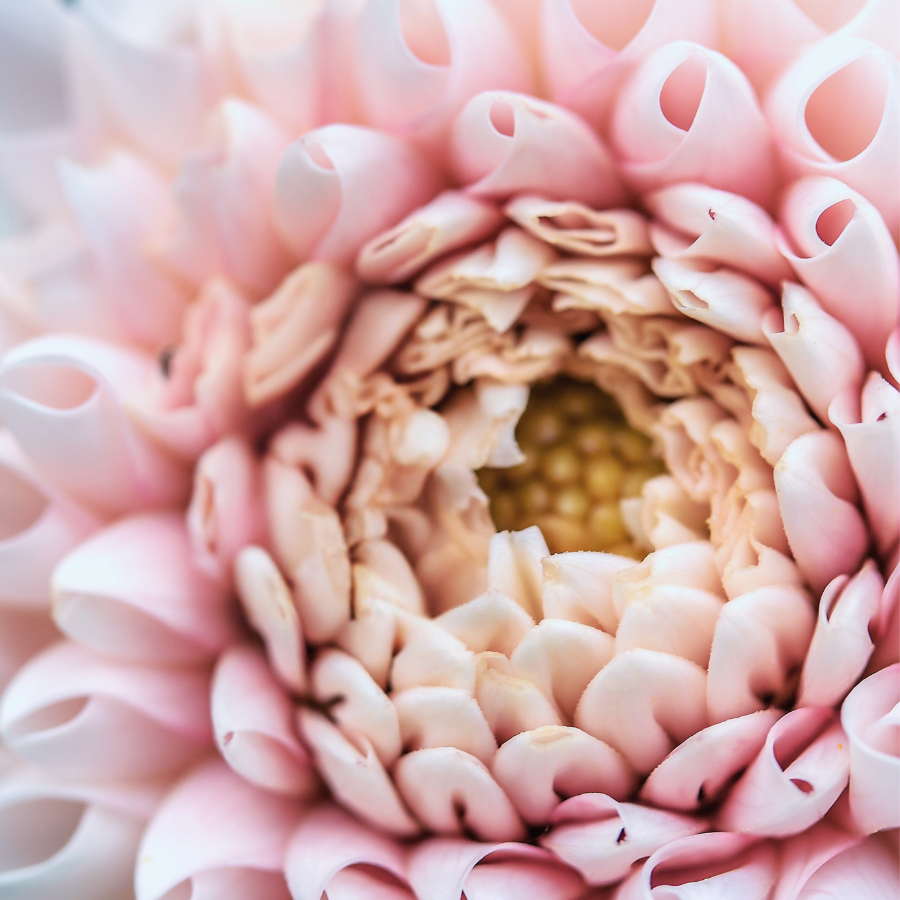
{"x": 841, "y": 644}
{"x": 799, "y": 773}
{"x": 493, "y": 621}
{"x": 225, "y": 513}
{"x": 586, "y": 52}
{"x": 699, "y": 770}
{"x": 835, "y": 111}
{"x": 870, "y": 427}
{"x": 132, "y": 591}
{"x": 452, "y": 220}
{"x": 22, "y": 634}
{"x": 235, "y": 172}
{"x": 328, "y": 844}
{"x": 63, "y": 398}
{"x": 502, "y": 143}
{"x": 689, "y": 114}
{"x": 417, "y": 67}
{"x": 89, "y": 717}
{"x": 253, "y": 721}
{"x": 869, "y": 716}
{"x": 602, "y": 838}
{"x": 696, "y": 221}
{"x": 450, "y": 790}
{"x": 816, "y": 491}
{"x": 644, "y": 703}
{"x": 382, "y": 572}
{"x": 341, "y": 185}
{"x": 38, "y": 526}
{"x": 759, "y": 638}
{"x": 819, "y": 352}
{"x": 213, "y": 820}
{"x": 355, "y": 775}
{"x": 432, "y": 656}
{"x": 514, "y": 566}
{"x": 539, "y": 768}
{"x": 838, "y": 244}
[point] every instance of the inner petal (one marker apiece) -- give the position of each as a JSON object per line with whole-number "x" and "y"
{"x": 613, "y": 24}
{"x": 36, "y": 830}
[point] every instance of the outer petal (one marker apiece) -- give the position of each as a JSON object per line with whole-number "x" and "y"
{"x": 689, "y": 114}
{"x": 132, "y": 591}
{"x": 214, "y": 820}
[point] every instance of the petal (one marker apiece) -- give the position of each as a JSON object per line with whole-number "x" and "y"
{"x": 22, "y": 634}
{"x": 493, "y": 622}
{"x": 514, "y": 566}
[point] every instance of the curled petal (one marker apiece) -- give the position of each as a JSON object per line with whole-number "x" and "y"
{"x": 870, "y": 718}
{"x": 841, "y": 644}
{"x": 452, "y": 220}
{"x": 576, "y": 228}
{"x": 691, "y": 566}
{"x": 698, "y": 771}
{"x": 816, "y": 491}
{"x": 819, "y": 352}
{"x": 760, "y": 640}
{"x": 448, "y": 789}
{"x": 294, "y": 329}
{"x": 725, "y": 300}
{"x": 838, "y": 244}
{"x": 132, "y": 591}
{"x": 339, "y": 186}
{"x": 514, "y": 566}
{"x": 355, "y": 775}
{"x": 506, "y": 144}
{"x": 214, "y": 820}
{"x": 796, "y": 778}
{"x": 602, "y": 838}
{"x": 253, "y": 722}
{"x": 64, "y": 400}
{"x": 493, "y": 622}
{"x": 539, "y": 768}
{"x": 644, "y": 703}
{"x": 836, "y": 111}
{"x": 870, "y": 427}
{"x": 417, "y": 66}
{"x": 85, "y": 716}
{"x": 39, "y": 526}
{"x": 329, "y": 843}
{"x": 695, "y": 221}
{"x": 432, "y": 656}
{"x": 382, "y": 573}
{"x": 689, "y": 114}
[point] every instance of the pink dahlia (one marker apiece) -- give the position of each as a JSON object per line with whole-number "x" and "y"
{"x": 450, "y": 449}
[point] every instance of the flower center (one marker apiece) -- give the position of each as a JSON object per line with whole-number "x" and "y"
{"x": 581, "y": 459}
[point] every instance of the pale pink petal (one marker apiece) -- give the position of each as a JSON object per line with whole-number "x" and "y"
{"x": 602, "y": 838}
{"x": 644, "y": 703}
{"x": 587, "y": 51}
{"x": 759, "y": 638}
{"x": 418, "y": 64}
{"x": 870, "y": 717}
{"x": 886, "y": 632}
{"x": 712, "y": 866}
{"x": 836, "y": 111}
{"x": 689, "y": 114}
{"x": 450, "y": 790}
{"x": 841, "y": 644}
{"x": 64, "y": 400}
{"x": 452, "y": 220}
{"x": 225, "y": 513}
{"x": 88, "y": 717}
{"x": 503, "y": 144}
{"x": 432, "y": 656}
{"x": 870, "y": 426}
{"x": 355, "y": 775}
{"x": 269, "y": 606}
{"x": 820, "y": 353}
{"x": 38, "y": 526}
{"x": 540, "y": 768}
{"x": 493, "y": 622}
{"x": 213, "y": 820}
{"x": 892, "y": 354}
{"x": 695, "y": 221}
{"x": 514, "y": 566}
{"x": 329, "y": 843}
{"x": 698, "y": 771}
{"x": 816, "y": 491}
{"x": 22, "y": 634}
{"x": 453, "y": 868}
{"x": 838, "y": 244}
{"x": 341, "y": 185}
{"x": 235, "y": 171}
{"x": 132, "y": 591}
{"x": 802, "y": 856}
{"x": 382, "y": 573}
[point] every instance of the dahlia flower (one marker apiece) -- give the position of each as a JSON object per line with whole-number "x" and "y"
{"x": 450, "y": 449}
